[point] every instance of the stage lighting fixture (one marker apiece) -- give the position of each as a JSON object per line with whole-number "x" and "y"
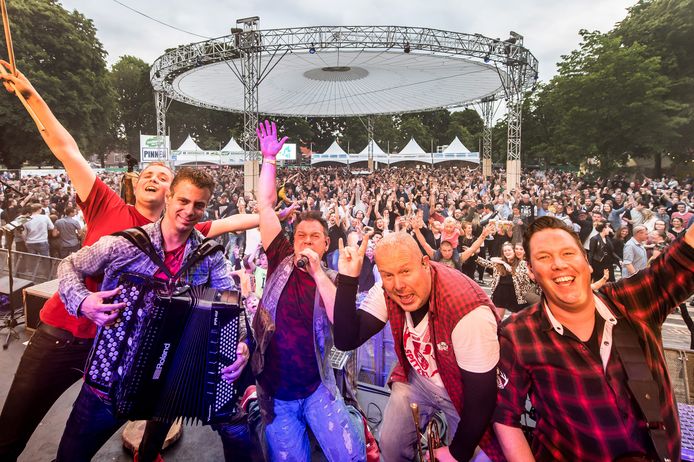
{"x": 486, "y": 58}
{"x": 312, "y": 50}
{"x": 407, "y": 47}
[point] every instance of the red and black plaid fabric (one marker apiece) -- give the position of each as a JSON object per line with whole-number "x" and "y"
{"x": 583, "y": 412}
{"x": 453, "y": 295}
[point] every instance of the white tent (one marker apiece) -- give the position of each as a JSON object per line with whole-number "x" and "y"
{"x": 334, "y": 149}
{"x": 232, "y": 146}
{"x": 333, "y": 154}
{"x": 376, "y": 148}
{"x": 189, "y": 146}
{"x": 455, "y": 147}
{"x": 456, "y": 151}
{"x": 412, "y": 148}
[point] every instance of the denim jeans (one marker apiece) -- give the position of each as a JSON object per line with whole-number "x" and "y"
{"x": 48, "y": 367}
{"x": 91, "y": 423}
{"x": 397, "y": 437}
{"x": 241, "y": 437}
{"x": 39, "y": 248}
{"x": 337, "y": 431}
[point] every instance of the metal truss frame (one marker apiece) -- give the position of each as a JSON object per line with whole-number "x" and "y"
{"x": 488, "y": 107}
{"x": 274, "y": 42}
{"x": 516, "y": 65}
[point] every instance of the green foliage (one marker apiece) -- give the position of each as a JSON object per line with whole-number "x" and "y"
{"x": 135, "y": 112}
{"x": 666, "y": 29}
{"x": 609, "y": 101}
{"x": 59, "y": 52}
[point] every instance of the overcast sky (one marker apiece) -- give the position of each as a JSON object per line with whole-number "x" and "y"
{"x": 550, "y": 27}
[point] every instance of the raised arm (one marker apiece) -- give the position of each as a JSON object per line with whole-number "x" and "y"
{"x": 270, "y": 146}
{"x": 353, "y": 327}
{"x": 56, "y": 137}
{"x": 416, "y": 227}
{"x": 475, "y": 246}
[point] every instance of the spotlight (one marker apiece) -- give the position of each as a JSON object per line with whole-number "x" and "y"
{"x": 407, "y": 47}
{"x": 312, "y": 50}
{"x": 486, "y": 58}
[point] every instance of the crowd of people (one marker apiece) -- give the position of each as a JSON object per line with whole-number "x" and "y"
{"x": 326, "y": 258}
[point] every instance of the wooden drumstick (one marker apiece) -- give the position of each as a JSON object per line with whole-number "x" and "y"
{"x": 31, "y": 112}
{"x": 8, "y": 36}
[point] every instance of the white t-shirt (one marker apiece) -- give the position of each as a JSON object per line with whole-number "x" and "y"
{"x": 36, "y": 229}
{"x": 475, "y": 340}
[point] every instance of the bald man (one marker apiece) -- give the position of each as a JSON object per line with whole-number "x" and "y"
{"x": 445, "y": 335}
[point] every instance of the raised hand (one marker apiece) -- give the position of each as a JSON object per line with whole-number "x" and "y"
{"x": 352, "y": 258}
{"x": 21, "y": 83}
{"x": 287, "y": 212}
{"x": 269, "y": 145}
{"x": 102, "y": 314}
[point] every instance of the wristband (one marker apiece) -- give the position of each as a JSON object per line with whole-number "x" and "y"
{"x": 269, "y": 161}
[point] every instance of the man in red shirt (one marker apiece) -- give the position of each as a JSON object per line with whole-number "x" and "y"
{"x": 57, "y": 352}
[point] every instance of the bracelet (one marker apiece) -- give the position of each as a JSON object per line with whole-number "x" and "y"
{"x": 270, "y": 161}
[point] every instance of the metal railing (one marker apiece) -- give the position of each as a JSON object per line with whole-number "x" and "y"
{"x": 36, "y": 268}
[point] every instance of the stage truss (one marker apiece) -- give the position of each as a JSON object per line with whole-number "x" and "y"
{"x": 339, "y": 71}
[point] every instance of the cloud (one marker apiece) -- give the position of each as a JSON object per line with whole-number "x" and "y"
{"x": 550, "y": 28}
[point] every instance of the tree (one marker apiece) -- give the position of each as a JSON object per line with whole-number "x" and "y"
{"x": 211, "y": 129}
{"x": 59, "y": 52}
{"x": 413, "y": 127}
{"x": 610, "y": 101}
{"x": 468, "y": 126}
{"x": 666, "y": 29}
{"x": 135, "y": 112}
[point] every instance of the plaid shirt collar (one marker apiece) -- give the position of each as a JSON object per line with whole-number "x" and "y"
{"x": 157, "y": 238}
{"x": 550, "y": 322}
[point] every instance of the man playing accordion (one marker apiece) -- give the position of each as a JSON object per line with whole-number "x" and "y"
{"x": 174, "y": 239}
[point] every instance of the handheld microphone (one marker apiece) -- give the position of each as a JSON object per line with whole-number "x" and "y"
{"x": 302, "y": 262}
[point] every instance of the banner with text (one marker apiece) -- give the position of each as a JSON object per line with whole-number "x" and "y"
{"x": 154, "y": 148}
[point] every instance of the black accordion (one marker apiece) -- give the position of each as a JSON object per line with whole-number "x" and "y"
{"x": 163, "y": 356}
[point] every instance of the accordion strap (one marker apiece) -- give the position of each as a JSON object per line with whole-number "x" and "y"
{"x": 642, "y": 385}
{"x": 207, "y": 247}
{"x": 140, "y": 239}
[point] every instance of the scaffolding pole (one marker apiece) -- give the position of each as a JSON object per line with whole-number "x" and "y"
{"x": 249, "y": 47}
{"x": 161, "y": 105}
{"x": 487, "y": 109}
{"x": 370, "y": 146}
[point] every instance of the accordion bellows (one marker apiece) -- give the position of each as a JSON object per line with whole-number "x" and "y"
{"x": 162, "y": 358}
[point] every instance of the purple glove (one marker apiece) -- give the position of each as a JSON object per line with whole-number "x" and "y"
{"x": 269, "y": 145}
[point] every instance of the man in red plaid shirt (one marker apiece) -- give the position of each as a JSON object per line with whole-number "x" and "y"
{"x": 561, "y": 353}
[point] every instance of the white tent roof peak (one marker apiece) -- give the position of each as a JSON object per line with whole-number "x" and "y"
{"x": 189, "y": 145}
{"x": 334, "y": 149}
{"x": 412, "y": 148}
{"x": 232, "y": 146}
{"x": 376, "y": 148}
{"x": 456, "y": 146}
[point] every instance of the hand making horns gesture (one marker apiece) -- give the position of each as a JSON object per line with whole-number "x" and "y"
{"x": 351, "y": 258}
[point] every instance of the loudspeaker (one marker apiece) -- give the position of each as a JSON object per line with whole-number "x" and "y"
{"x": 373, "y": 400}
{"x": 17, "y": 285}
{"x": 34, "y": 299}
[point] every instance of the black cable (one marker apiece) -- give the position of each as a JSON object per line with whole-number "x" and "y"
{"x": 160, "y": 22}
